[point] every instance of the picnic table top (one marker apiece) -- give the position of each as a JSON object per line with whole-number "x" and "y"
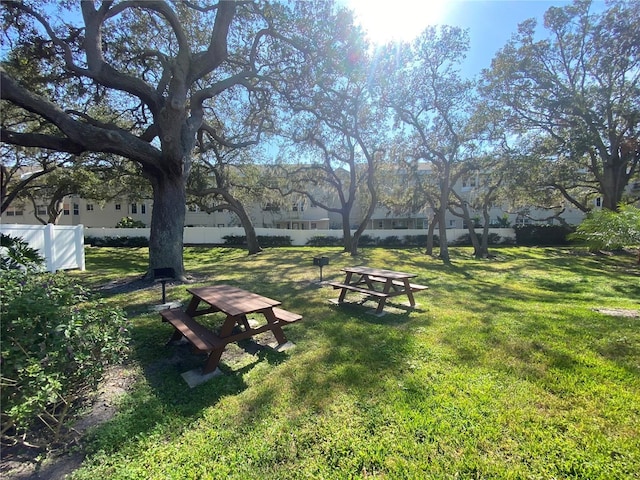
{"x": 233, "y": 300}
{"x": 378, "y": 272}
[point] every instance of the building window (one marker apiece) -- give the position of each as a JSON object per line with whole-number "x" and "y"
{"x": 599, "y": 202}
{"x": 143, "y": 209}
{"x": 314, "y": 226}
{"x": 452, "y": 224}
{"x": 298, "y": 207}
{"x": 89, "y": 207}
{"x": 15, "y": 211}
{"x": 76, "y": 209}
{"x": 380, "y": 224}
{"x": 41, "y": 209}
{"x": 65, "y": 209}
{"x": 134, "y": 208}
{"x": 469, "y": 182}
{"x": 118, "y": 206}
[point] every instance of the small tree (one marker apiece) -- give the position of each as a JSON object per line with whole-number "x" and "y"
{"x": 612, "y": 230}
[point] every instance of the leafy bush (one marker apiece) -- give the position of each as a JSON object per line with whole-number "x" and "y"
{"x": 390, "y": 241}
{"x": 367, "y": 241}
{"x": 15, "y": 253}
{"x": 234, "y": 240}
{"x": 117, "y": 241}
{"x": 417, "y": 240}
{"x": 263, "y": 240}
{"x": 462, "y": 240}
{"x": 56, "y": 343}
{"x": 274, "y": 240}
{"x": 128, "y": 222}
{"x": 322, "y": 241}
{"x": 542, "y": 235}
{"x": 609, "y": 229}
{"x": 494, "y": 239}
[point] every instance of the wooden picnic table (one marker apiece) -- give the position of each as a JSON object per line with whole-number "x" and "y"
{"x": 236, "y": 303}
{"x": 378, "y": 284}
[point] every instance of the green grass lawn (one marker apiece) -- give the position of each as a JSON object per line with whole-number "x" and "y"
{"x": 505, "y": 370}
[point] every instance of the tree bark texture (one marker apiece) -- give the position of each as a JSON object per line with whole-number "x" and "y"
{"x": 167, "y": 222}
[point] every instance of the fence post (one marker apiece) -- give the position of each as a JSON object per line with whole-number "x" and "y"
{"x": 79, "y": 241}
{"x": 49, "y": 247}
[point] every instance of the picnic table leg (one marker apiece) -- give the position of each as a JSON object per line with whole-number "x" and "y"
{"x": 343, "y": 292}
{"x": 228, "y": 326}
{"x": 409, "y": 292}
{"x": 277, "y": 331}
{"x": 367, "y": 280}
{"x": 213, "y": 360}
{"x": 387, "y": 288}
{"x": 381, "y": 303}
{"x": 175, "y": 337}
{"x": 193, "y": 306}
{"x": 225, "y": 331}
{"x": 245, "y": 322}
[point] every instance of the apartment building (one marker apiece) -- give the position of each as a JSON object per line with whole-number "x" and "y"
{"x": 298, "y": 215}
{"x": 291, "y": 214}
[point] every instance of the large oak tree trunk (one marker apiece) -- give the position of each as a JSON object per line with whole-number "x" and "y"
{"x": 167, "y": 223}
{"x": 613, "y": 182}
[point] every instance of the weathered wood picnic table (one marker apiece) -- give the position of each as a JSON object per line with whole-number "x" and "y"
{"x": 378, "y": 284}
{"x": 236, "y": 303}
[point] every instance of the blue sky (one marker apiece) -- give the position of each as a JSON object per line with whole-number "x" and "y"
{"x": 490, "y": 22}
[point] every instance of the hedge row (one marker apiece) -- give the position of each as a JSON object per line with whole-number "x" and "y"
{"x": 543, "y": 235}
{"x": 527, "y": 235}
{"x": 117, "y": 241}
{"x": 263, "y": 240}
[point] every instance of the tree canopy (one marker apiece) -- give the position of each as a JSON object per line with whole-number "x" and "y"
{"x": 145, "y": 81}
{"x": 177, "y": 88}
{"x": 572, "y": 98}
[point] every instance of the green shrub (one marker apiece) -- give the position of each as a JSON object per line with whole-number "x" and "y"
{"x": 56, "y": 343}
{"x": 117, "y": 241}
{"x": 128, "y": 222}
{"x": 465, "y": 240}
{"x": 542, "y": 235}
{"x": 462, "y": 241}
{"x": 324, "y": 241}
{"x": 234, "y": 240}
{"x": 609, "y": 229}
{"x": 494, "y": 239}
{"x": 390, "y": 241}
{"x": 263, "y": 240}
{"x": 367, "y": 241}
{"x": 274, "y": 240}
{"x": 417, "y": 240}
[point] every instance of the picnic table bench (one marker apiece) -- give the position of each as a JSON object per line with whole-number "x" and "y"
{"x": 236, "y": 303}
{"x": 368, "y": 281}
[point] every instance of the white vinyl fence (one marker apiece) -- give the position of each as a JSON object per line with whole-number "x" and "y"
{"x": 215, "y": 235}
{"x": 61, "y": 246}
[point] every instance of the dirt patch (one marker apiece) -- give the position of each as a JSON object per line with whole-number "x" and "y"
{"x": 618, "y": 312}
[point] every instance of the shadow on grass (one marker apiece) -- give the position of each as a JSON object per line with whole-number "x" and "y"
{"x": 163, "y": 399}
